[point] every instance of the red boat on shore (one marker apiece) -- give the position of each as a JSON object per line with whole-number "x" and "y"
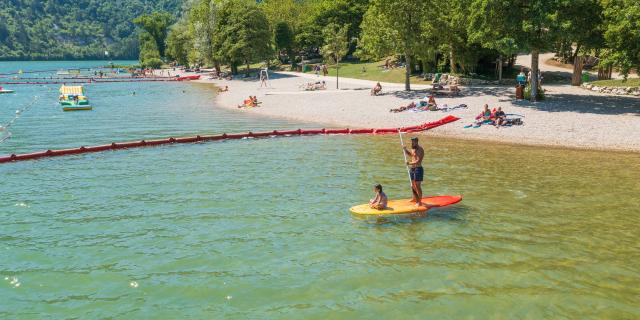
{"x": 188, "y": 78}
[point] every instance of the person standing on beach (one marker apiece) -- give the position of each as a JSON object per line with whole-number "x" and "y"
{"x": 416, "y": 172}
{"x": 263, "y": 80}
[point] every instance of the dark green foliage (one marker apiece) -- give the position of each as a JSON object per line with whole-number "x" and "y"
{"x": 149, "y": 54}
{"x": 81, "y": 29}
{"x": 156, "y": 25}
{"x": 622, "y": 34}
{"x": 178, "y": 43}
{"x": 283, "y": 36}
{"x": 241, "y": 33}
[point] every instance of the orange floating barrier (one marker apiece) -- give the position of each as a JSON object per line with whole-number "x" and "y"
{"x": 224, "y": 136}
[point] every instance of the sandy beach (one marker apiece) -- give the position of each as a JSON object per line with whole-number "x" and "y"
{"x": 569, "y": 117}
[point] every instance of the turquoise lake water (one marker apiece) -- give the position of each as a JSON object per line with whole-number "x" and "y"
{"x": 260, "y": 228}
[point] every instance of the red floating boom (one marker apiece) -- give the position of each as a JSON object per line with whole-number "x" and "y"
{"x": 224, "y": 136}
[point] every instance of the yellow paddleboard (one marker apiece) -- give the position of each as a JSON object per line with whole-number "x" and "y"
{"x": 405, "y": 206}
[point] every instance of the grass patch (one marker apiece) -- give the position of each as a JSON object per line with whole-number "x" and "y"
{"x": 632, "y": 82}
{"x": 373, "y": 71}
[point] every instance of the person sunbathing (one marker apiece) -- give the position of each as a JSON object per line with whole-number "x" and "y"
{"x": 410, "y": 106}
{"x": 318, "y": 85}
{"x": 500, "y": 118}
{"x": 376, "y": 89}
{"x": 226, "y": 88}
{"x": 252, "y": 101}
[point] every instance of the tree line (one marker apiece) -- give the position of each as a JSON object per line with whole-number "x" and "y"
{"x": 458, "y": 36}
{"x": 71, "y": 30}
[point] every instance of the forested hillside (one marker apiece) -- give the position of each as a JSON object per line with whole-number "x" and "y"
{"x": 79, "y": 29}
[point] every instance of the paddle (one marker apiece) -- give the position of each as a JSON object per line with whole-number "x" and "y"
{"x": 405, "y": 158}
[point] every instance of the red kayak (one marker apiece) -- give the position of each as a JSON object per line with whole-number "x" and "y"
{"x": 187, "y": 78}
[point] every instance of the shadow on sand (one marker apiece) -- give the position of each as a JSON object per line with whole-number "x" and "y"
{"x": 555, "y": 102}
{"x": 595, "y": 104}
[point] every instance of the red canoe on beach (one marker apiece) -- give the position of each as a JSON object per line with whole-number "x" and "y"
{"x": 187, "y": 78}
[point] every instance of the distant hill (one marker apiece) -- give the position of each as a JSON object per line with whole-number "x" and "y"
{"x": 73, "y": 29}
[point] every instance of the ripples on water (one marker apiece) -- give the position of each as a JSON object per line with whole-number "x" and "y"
{"x": 260, "y": 228}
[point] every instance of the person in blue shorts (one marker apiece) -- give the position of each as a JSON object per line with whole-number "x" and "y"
{"x": 416, "y": 172}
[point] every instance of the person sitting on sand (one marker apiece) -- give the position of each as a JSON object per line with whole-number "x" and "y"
{"x": 254, "y": 101}
{"x": 380, "y": 201}
{"x": 376, "y": 89}
{"x": 431, "y": 104}
{"x": 485, "y": 114}
{"x": 500, "y": 118}
{"x": 226, "y": 88}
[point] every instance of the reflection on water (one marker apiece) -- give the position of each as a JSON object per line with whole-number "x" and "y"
{"x": 260, "y": 228}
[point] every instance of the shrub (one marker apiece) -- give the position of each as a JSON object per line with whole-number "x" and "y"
{"x": 527, "y": 93}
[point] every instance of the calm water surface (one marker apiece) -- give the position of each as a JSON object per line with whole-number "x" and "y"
{"x": 260, "y": 229}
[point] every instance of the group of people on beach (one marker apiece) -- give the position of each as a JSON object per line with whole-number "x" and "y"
{"x": 317, "y": 68}
{"x": 497, "y": 117}
{"x": 427, "y": 104}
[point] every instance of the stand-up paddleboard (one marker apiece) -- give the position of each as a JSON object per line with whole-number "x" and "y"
{"x": 405, "y": 206}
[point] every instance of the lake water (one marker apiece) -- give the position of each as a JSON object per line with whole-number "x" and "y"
{"x": 260, "y": 228}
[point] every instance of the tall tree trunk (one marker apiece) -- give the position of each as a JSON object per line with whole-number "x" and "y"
{"x": 535, "y": 57}
{"x": 216, "y": 65}
{"x": 407, "y": 75}
{"x": 452, "y": 62}
{"x": 578, "y": 64}
{"x": 499, "y": 68}
{"x": 576, "y": 77}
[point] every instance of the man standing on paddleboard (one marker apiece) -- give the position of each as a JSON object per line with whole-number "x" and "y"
{"x": 416, "y": 172}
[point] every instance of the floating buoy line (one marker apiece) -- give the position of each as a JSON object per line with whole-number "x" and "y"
{"x": 4, "y": 128}
{"x": 219, "y": 137}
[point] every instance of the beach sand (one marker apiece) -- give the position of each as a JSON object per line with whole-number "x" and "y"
{"x": 569, "y": 117}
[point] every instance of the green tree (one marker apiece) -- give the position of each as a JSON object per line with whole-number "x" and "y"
{"x": 394, "y": 27}
{"x": 179, "y": 42}
{"x": 241, "y": 33}
{"x": 284, "y": 39}
{"x": 500, "y": 37}
{"x": 336, "y": 44}
{"x": 580, "y": 24}
{"x": 622, "y": 34}
{"x": 340, "y": 12}
{"x": 532, "y": 24}
{"x": 156, "y": 25}
{"x": 149, "y": 54}
{"x": 202, "y": 17}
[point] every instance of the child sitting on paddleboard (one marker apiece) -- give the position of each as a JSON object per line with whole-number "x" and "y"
{"x": 380, "y": 201}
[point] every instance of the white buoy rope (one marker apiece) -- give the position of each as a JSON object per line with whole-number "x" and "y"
{"x": 4, "y": 128}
